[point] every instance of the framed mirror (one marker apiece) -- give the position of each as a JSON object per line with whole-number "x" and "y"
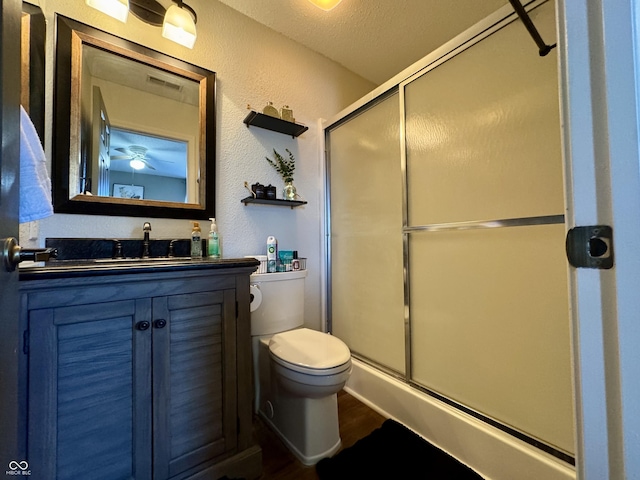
{"x": 33, "y": 65}
{"x": 134, "y": 129}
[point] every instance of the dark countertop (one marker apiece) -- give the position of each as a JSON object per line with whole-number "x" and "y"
{"x": 95, "y": 267}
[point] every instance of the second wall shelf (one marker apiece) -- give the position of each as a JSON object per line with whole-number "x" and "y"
{"x": 275, "y": 201}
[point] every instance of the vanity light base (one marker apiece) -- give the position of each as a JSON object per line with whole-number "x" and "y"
{"x": 149, "y": 11}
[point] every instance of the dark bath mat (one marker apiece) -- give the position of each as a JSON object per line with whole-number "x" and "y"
{"x": 395, "y": 452}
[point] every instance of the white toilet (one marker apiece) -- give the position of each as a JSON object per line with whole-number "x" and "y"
{"x": 297, "y": 371}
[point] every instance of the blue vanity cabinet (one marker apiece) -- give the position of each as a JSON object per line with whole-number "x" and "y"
{"x": 142, "y": 376}
{"x": 194, "y": 376}
{"x": 90, "y": 392}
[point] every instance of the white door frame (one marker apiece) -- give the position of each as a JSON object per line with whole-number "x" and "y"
{"x": 600, "y": 86}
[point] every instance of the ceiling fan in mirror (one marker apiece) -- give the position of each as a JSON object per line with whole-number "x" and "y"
{"x": 153, "y": 155}
{"x": 136, "y": 155}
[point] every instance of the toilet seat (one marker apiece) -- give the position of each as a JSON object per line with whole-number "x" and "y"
{"x": 311, "y": 352}
{"x": 320, "y": 372}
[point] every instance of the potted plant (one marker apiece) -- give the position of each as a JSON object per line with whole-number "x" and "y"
{"x": 285, "y": 167}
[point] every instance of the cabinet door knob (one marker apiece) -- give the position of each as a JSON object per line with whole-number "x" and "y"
{"x": 160, "y": 323}
{"x": 143, "y": 325}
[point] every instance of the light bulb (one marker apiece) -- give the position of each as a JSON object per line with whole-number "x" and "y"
{"x": 118, "y": 9}
{"x": 136, "y": 164}
{"x": 179, "y": 26}
{"x": 325, "y": 4}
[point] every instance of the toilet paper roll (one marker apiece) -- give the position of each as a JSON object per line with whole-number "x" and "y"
{"x": 256, "y": 297}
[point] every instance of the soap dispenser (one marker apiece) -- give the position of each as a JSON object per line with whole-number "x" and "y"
{"x": 214, "y": 240}
{"x": 196, "y": 241}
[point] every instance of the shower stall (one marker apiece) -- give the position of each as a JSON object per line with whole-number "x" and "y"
{"x": 447, "y": 275}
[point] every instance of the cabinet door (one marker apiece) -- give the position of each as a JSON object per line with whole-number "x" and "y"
{"x": 194, "y": 381}
{"x": 90, "y": 392}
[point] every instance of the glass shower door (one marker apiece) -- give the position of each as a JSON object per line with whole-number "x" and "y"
{"x": 489, "y": 309}
{"x": 365, "y": 188}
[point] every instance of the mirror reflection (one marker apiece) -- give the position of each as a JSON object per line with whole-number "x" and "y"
{"x": 158, "y": 164}
{"x": 140, "y": 127}
{"x": 132, "y": 139}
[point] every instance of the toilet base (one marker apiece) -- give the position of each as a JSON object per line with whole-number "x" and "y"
{"x": 307, "y": 426}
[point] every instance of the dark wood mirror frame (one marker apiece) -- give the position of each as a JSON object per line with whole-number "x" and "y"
{"x": 70, "y": 34}
{"x": 33, "y": 65}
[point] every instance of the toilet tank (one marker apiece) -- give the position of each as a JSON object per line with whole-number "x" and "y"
{"x": 277, "y": 301}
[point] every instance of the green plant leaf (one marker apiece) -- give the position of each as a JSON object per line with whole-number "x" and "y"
{"x": 285, "y": 167}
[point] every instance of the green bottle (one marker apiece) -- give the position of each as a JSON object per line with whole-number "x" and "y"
{"x": 214, "y": 240}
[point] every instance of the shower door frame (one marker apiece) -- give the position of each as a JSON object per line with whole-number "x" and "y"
{"x": 471, "y": 37}
{"x": 494, "y": 22}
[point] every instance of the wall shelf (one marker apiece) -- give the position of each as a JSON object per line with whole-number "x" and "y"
{"x": 274, "y": 124}
{"x": 276, "y": 201}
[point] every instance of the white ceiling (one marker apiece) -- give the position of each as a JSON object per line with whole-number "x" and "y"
{"x": 374, "y": 38}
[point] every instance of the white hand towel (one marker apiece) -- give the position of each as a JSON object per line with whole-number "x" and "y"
{"x": 35, "y": 184}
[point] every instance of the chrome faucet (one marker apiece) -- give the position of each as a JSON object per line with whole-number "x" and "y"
{"x": 172, "y": 248}
{"x": 146, "y": 228}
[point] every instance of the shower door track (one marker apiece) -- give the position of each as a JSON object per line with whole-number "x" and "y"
{"x": 496, "y": 424}
{"x": 403, "y": 378}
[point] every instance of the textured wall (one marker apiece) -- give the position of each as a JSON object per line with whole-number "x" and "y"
{"x": 254, "y": 65}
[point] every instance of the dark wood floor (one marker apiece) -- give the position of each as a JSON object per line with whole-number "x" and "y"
{"x": 356, "y": 421}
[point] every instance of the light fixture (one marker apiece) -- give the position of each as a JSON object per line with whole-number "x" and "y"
{"x": 118, "y": 9}
{"x": 136, "y": 164}
{"x": 149, "y": 11}
{"x": 178, "y": 22}
{"x": 325, "y": 4}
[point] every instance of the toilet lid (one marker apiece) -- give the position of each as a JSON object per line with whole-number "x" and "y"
{"x": 309, "y": 348}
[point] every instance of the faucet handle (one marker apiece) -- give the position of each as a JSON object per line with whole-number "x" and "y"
{"x": 146, "y": 226}
{"x": 117, "y": 248}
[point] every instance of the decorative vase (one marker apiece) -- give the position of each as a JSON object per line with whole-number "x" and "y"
{"x": 289, "y": 191}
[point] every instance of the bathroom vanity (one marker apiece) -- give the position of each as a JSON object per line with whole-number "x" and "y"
{"x": 139, "y": 369}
